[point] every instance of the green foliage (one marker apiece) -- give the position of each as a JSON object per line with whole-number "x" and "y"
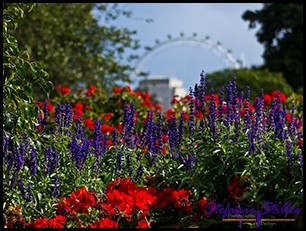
{"x": 281, "y": 33}
{"x": 255, "y": 78}
{"x": 75, "y": 47}
{"x": 20, "y": 74}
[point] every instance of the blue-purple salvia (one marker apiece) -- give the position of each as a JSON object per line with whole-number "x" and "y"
{"x": 292, "y": 128}
{"x": 139, "y": 172}
{"x": 247, "y": 116}
{"x": 202, "y": 123}
{"x": 47, "y": 160}
{"x": 196, "y": 97}
{"x": 251, "y": 138}
{"x": 54, "y": 161}
{"x": 259, "y": 119}
{"x": 159, "y": 133}
{"x": 128, "y": 164}
{"x": 82, "y": 157}
{"x": 115, "y": 137}
{"x": 172, "y": 136}
{"x": 202, "y": 90}
{"x": 277, "y": 115}
{"x": 119, "y": 161}
{"x": 56, "y": 188}
{"x": 29, "y": 193}
{"x": 300, "y": 156}
{"x": 191, "y": 113}
{"x": 68, "y": 115}
{"x": 98, "y": 144}
{"x": 79, "y": 131}
{"x": 237, "y": 122}
{"x": 21, "y": 187}
{"x": 220, "y": 108}
{"x": 289, "y": 153}
{"x": 128, "y": 124}
{"x": 5, "y": 147}
{"x": 32, "y": 163}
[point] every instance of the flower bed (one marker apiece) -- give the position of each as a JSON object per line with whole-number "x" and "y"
{"x": 96, "y": 162}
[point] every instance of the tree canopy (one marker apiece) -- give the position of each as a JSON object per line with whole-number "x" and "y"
{"x": 74, "y": 46}
{"x": 255, "y": 78}
{"x": 281, "y": 33}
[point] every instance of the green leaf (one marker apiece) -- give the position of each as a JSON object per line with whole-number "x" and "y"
{"x": 48, "y": 87}
{"x": 33, "y": 68}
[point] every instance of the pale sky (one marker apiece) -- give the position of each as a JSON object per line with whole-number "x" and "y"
{"x": 185, "y": 60}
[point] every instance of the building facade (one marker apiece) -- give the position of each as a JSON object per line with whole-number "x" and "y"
{"x": 163, "y": 89}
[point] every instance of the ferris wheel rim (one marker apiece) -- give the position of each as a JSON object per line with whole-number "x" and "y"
{"x": 214, "y": 47}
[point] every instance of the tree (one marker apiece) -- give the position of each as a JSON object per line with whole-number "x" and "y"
{"x": 75, "y": 47}
{"x": 281, "y": 33}
{"x": 255, "y": 78}
{"x": 20, "y": 74}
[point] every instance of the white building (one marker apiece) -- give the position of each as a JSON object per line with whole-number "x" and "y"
{"x": 163, "y": 89}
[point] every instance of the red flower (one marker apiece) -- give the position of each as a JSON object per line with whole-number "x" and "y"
{"x": 158, "y": 106}
{"x": 39, "y": 128}
{"x": 202, "y": 204}
{"x": 242, "y": 112}
{"x": 170, "y": 113}
{"x": 81, "y": 200}
{"x": 164, "y": 138}
{"x": 128, "y": 88}
{"x": 78, "y": 106}
{"x": 174, "y": 100}
{"x": 142, "y": 224}
{"x": 88, "y": 122}
{"x": 283, "y": 98}
{"x": 163, "y": 197}
{"x": 106, "y": 128}
{"x": 122, "y": 201}
{"x": 59, "y": 86}
{"x": 181, "y": 199}
{"x": 109, "y": 208}
{"x": 41, "y": 223}
{"x": 56, "y": 222}
{"x": 50, "y": 107}
{"x": 267, "y": 99}
{"x": 300, "y": 143}
{"x": 92, "y": 88}
{"x": 145, "y": 200}
{"x": 108, "y": 116}
{"x": 117, "y": 90}
{"x": 288, "y": 117}
{"x": 188, "y": 97}
{"x": 185, "y": 116}
{"x": 65, "y": 90}
{"x": 105, "y": 223}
